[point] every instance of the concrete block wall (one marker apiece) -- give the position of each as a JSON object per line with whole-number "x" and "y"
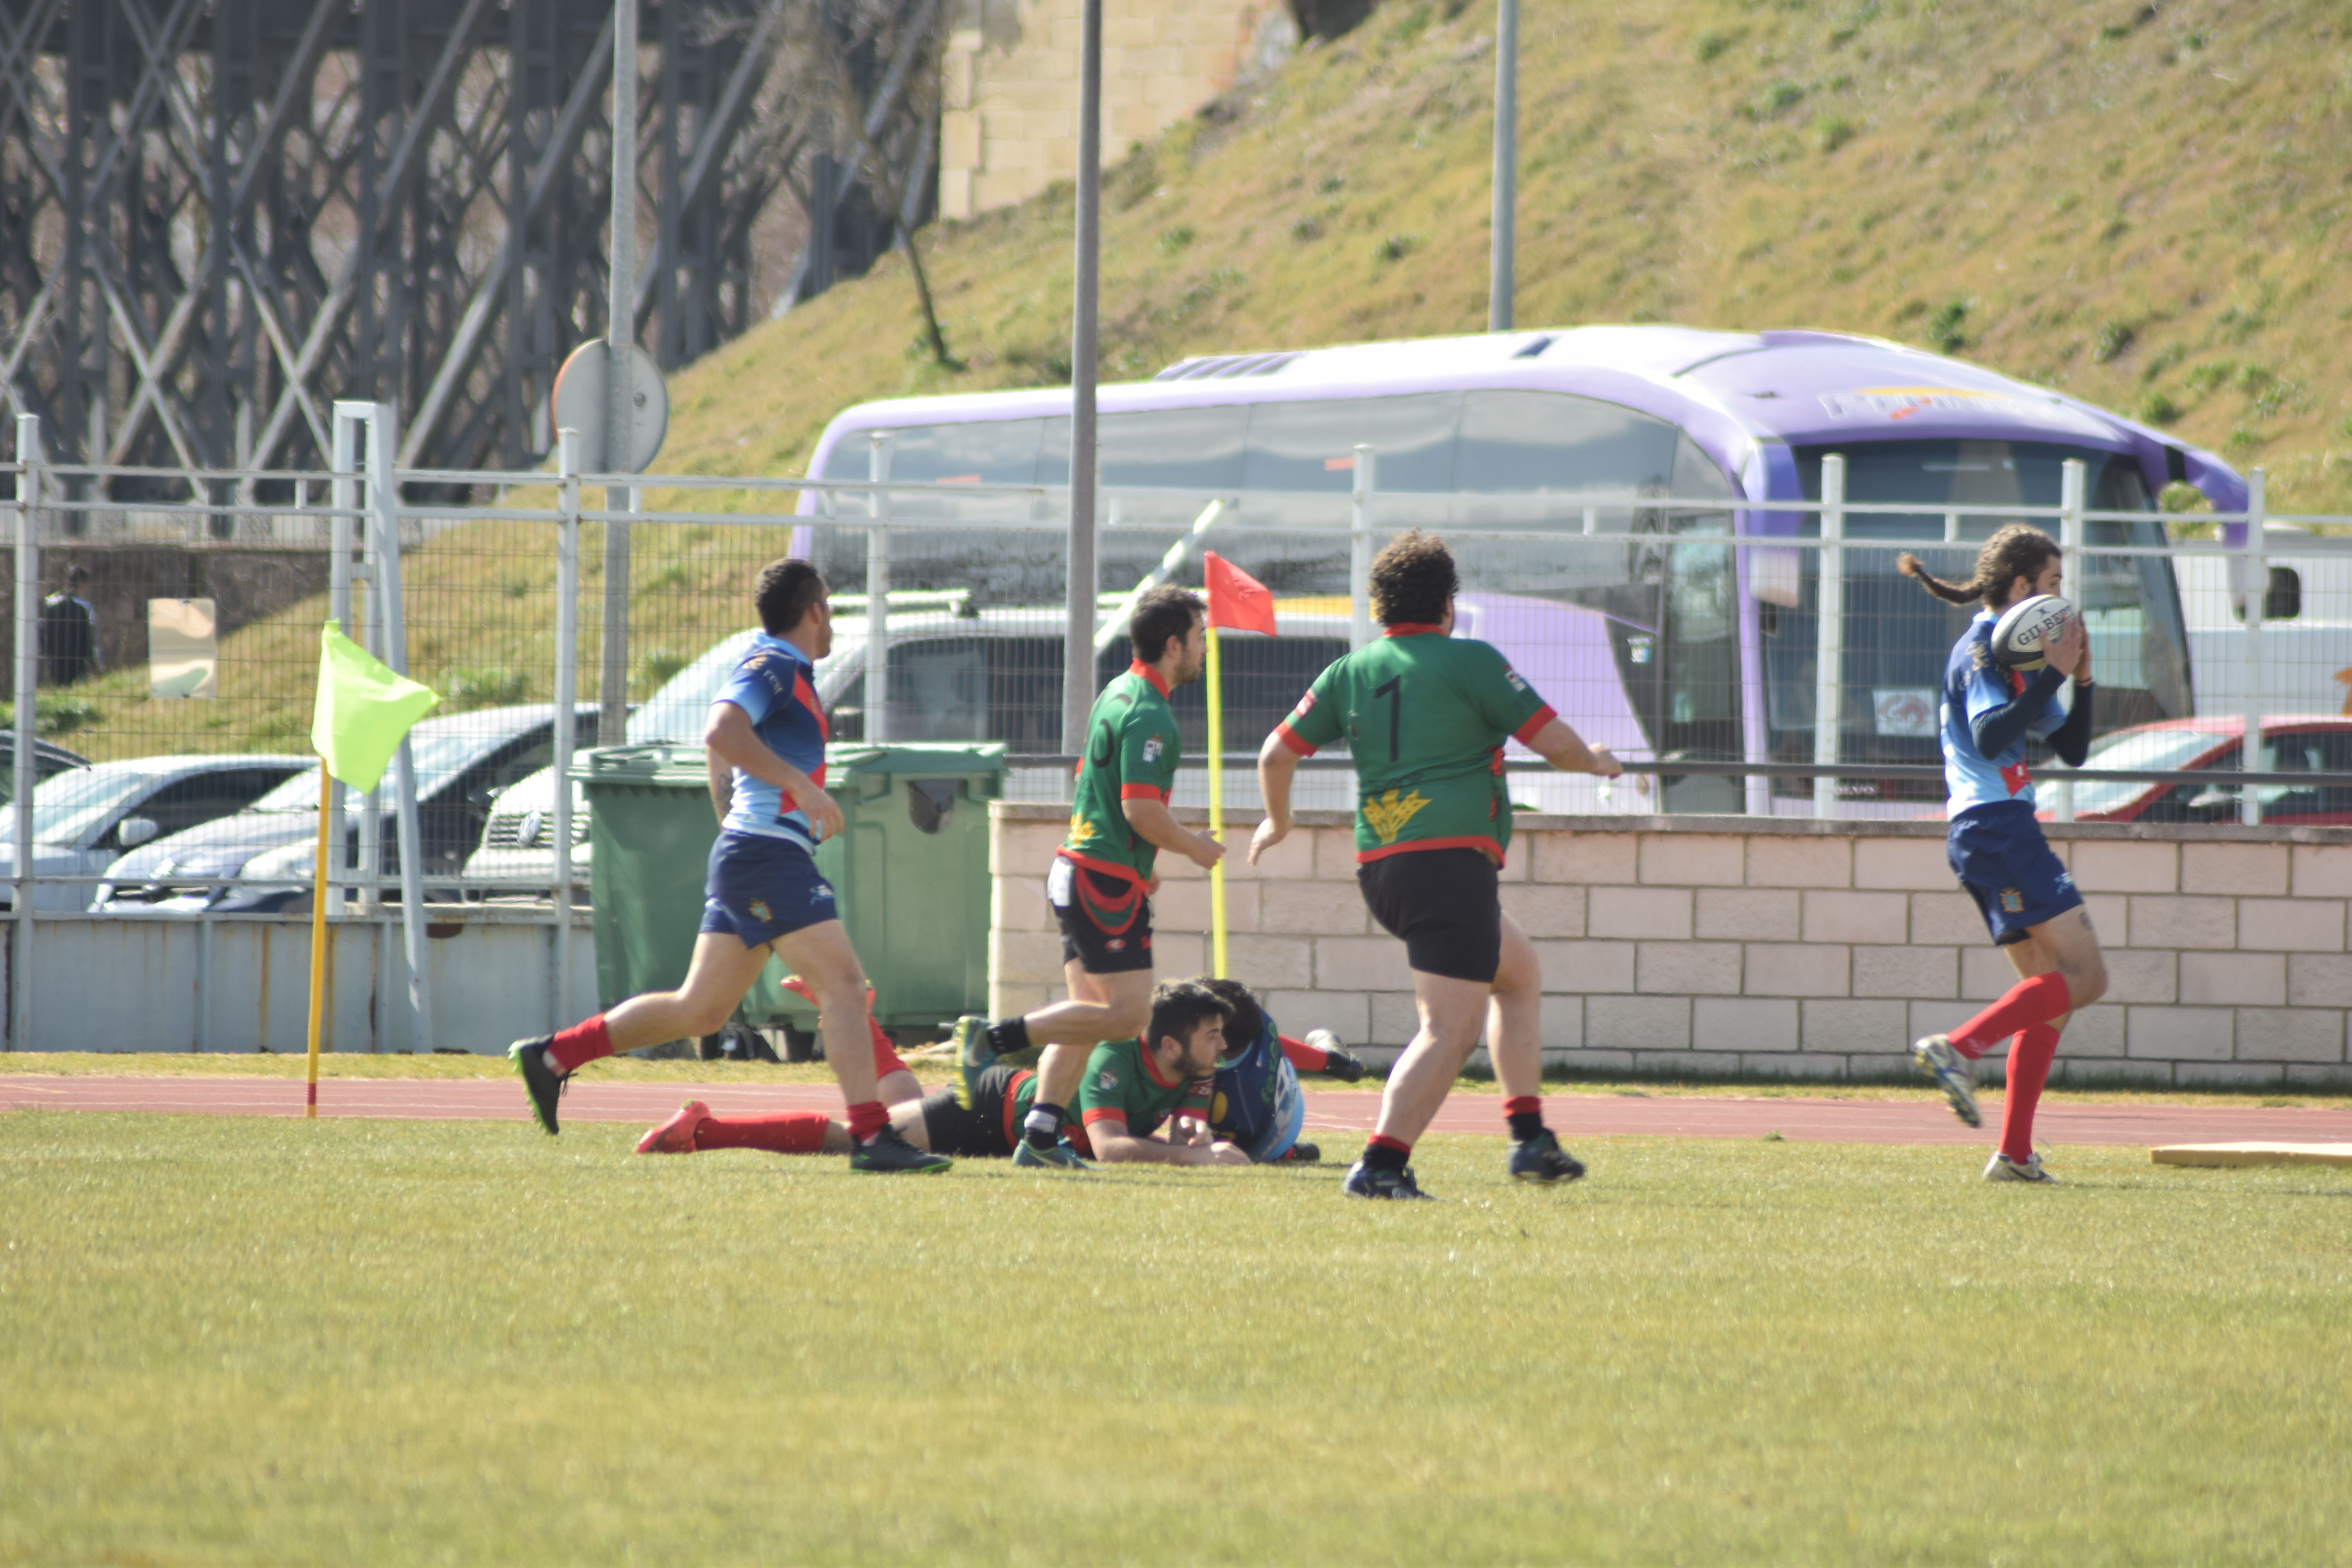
{"x": 1010, "y": 85}
{"x": 1783, "y": 949}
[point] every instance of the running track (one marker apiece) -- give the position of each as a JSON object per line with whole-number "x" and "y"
{"x": 1341, "y": 1111}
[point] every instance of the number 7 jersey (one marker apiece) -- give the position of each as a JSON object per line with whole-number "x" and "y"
{"x": 1425, "y": 716}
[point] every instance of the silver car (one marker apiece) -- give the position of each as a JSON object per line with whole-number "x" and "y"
{"x": 84, "y": 817}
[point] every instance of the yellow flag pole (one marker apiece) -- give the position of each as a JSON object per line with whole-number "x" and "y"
{"x": 318, "y": 941}
{"x": 1216, "y": 809}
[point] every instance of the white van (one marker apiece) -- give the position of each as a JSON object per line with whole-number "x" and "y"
{"x": 2306, "y": 634}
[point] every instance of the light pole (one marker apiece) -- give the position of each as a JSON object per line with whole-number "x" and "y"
{"x": 1078, "y": 640}
{"x": 1507, "y": 163}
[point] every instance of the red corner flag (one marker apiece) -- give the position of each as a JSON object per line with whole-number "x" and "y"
{"x": 1237, "y": 601}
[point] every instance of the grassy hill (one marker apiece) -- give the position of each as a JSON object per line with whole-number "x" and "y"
{"x": 2143, "y": 204}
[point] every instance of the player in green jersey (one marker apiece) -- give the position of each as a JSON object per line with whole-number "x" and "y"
{"x": 1425, "y": 715}
{"x": 1134, "y": 1102}
{"x": 1101, "y": 881}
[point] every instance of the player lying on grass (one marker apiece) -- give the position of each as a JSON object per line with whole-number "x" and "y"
{"x": 1254, "y": 1102}
{"x": 1128, "y": 1102}
{"x": 1995, "y": 844}
{"x": 764, "y": 890}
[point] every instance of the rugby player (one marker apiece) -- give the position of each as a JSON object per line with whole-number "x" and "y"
{"x": 762, "y": 892}
{"x": 1132, "y": 1102}
{"x": 1995, "y": 846}
{"x": 1425, "y": 715}
{"x": 1255, "y": 1101}
{"x": 1101, "y": 881}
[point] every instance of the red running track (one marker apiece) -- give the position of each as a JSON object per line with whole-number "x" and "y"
{"x": 1329, "y": 1111}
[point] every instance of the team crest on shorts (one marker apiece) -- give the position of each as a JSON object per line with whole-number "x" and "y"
{"x": 2012, "y": 902}
{"x": 761, "y": 912}
{"x": 822, "y": 894}
{"x": 1117, "y": 945}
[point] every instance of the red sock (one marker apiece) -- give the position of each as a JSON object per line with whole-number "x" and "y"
{"x": 866, "y": 1117}
{"x": 780, "y": 1133}
{"x": 1382, "y": 1140}
{"x": 2021, "y": 1006}
{"x": 1525, "y": 1113}
{"x": 578, "y": 1046}
{"x": 2029, "y": 1056}
{"x": 1303, "y": 1056}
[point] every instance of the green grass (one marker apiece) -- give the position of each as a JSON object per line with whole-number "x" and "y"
{"x": 248, "y": 1341}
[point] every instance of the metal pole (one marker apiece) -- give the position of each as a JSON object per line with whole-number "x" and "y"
{"x": 1360, "y": 550}
{"x": 367, "y": 630}
{"x": 878, "y": 594}
{"x": 342, "y": 494}
{"x": 2072, "y": 488}
{"x": 567, "y": 697}
{"x": 2258, "y": 591}
{"x": 28, "y": 671}
{"x": 1078, "y": 632}
{"x": 619, "y": 405}
{"x": 382, "y": 441}
{"x": 1829, "y": 636}
{"x": 1507, "y": 163}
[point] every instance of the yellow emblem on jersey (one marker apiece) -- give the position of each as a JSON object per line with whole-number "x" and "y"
{"x": 1082, "y": 832}
{"x": 1386, "y": 815}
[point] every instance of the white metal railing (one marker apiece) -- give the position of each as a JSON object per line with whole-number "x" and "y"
{"x": 357, "y": 506}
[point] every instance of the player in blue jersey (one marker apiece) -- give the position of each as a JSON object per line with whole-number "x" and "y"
{"x": 1255, "y": 1102}
{"x": 762, "y": 890}
{"x": 1996, "y": 846}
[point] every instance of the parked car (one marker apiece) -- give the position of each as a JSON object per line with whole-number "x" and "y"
{"x": 2291, "y": 743}
{"x": 261, "y": 858}
{"x": 48, "y": 759}
{"x": 85, "y": 818}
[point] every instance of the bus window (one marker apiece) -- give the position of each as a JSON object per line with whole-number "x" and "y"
{"x": 1197, "y": 450}
{"x": 1551, "y": 443}
{"x": 1310, "y": 445}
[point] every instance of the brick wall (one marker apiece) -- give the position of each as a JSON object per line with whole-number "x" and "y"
{"x": 1779, "y": 948}
{"x": 1010, "y": 89}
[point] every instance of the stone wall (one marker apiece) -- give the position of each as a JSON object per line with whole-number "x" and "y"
{"x": 1771, "y": 948}
{"x": 1009, "y": 121}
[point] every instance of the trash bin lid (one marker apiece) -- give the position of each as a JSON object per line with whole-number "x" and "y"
{"x": 663, "y": 766}
{"x": 930, "y": 759}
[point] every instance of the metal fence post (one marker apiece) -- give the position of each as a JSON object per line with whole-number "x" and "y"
{"x": 567, "y": 651}
{"x": 878, "y": 594}
{"x": 381, "y": 443}
{"x": 2258, "y": 593}
{"x": 2071, "y": 489}
{"x": 1829, "y": 636}
{"x": 1359, "y": 549}
{"x": 342, "y": 495}
{"x": 367, "y": 876}
{"x": 28, "y": 673}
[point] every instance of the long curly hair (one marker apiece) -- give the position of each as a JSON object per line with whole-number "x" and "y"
{"x": 2016, "y": 550}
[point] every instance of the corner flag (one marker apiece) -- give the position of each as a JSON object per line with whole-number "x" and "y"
{"x": 363, "y": 709}
{"x": 1237, "y": 601}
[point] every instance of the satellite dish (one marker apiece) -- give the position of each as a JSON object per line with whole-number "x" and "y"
{"x": 579, "y": 404}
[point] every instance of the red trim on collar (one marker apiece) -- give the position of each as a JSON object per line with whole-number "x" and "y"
{"x": 1152, "y": 1066}
{"x": 1149, "y": 674}
{"x": 1412, "y": 630}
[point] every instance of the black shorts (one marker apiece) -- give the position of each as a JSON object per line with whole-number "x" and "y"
{"x": 1446, "y": 904}
{"x": 1107, "y": 924}
{"x": 977, "y": 1132}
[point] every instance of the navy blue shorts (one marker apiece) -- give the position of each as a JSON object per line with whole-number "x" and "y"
{"x": 2002, "y": 859}
{"x": 759, "y": 889}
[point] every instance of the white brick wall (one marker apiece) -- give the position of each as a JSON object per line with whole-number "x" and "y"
{"x": 1790, "y": 949}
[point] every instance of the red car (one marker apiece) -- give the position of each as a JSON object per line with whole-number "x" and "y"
{"x": 2291, "y": 743}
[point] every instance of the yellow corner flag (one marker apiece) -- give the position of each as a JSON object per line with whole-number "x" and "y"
{"x": 363, "y": 709}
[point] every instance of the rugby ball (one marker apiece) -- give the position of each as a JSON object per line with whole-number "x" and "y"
{"x": 2026, "y": 629}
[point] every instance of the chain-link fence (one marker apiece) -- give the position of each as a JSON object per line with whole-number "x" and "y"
{"x": 1743, "y": 659}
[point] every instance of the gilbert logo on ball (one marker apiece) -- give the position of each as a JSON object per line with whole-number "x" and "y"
{"x": 2026, "y": 629}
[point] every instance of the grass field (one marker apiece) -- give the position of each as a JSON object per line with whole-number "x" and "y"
{"x": 248, "y": 1341}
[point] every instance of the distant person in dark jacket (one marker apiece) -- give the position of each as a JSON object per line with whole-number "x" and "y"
{"x": 68, "y": 633}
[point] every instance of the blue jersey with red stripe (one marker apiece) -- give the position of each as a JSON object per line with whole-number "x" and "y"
{"x": 1974, "y": 685}
{"x": 775, "y": 685}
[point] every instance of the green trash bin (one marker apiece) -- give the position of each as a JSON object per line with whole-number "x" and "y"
{"x": 909, "y": 869}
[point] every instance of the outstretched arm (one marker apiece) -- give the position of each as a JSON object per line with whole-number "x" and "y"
{"x": 1565, "y": 750}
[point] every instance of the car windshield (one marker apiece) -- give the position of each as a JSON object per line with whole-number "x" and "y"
{"x": 2152, "y": 751}
{"x": 67, "y": 805}
{"x": 439, "y": 759}
{"x": 680, "y": 710}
